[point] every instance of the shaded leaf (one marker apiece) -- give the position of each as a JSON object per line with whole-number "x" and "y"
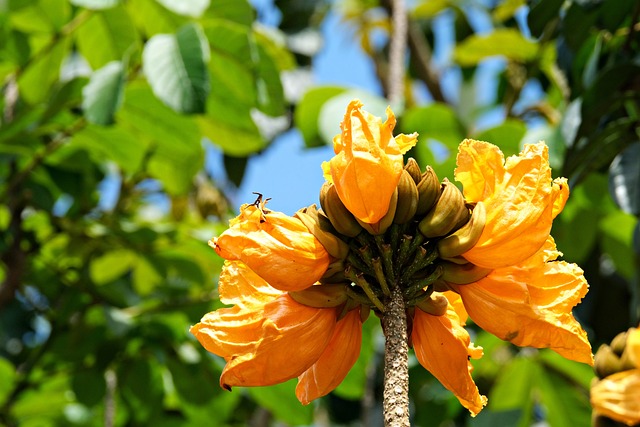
{"x": 38, "y": 78}
{"x": 566, "y": 406}
{"x": 239, "y": 11}
{"x": 513, "y": 388}
{"x": 112, "y": 143}
{"x": 89, "y": 386}
{"x": 617, "y": 229}
{"x": 175, "y": 67}
{"x": 541, "y": 14}
{"x": 235, "y": 168}
{"x": 281, "y": 400}
{"x": 102, "y": 96}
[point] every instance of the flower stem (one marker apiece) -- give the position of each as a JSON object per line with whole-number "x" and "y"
{"x": 396, "y": 361}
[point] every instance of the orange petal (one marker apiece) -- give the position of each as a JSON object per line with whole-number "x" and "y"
{"x": 367, "y": 156}
{"x": 239, "y": 285}
{"x": 520, "y": 197}
{"x": 277, "y": 247}
{"x": 618, "y": 397}
{"x": 335, "y": 362}
{"x": 292, "y": 338}
{"x": 443, "y": 347}
{"x": 530, "y": 305}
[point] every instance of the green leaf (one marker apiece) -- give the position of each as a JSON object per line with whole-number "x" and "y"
{"x": 192, "y": 8}
{"x": 42, "y": 16}
{"x": 152, "y": 18}
{"x": 502, "y": 41}
{"x": 624, "y": 179}
{"x": 507, "y": 136}
{"x": 239, "y": 11}
{"x": 112, "y": 143}
{"x": 308, "y": 111}
{"x": 507, "y": 9}
{"x": 541, "y": 14}
{"x": 38, "y": 78}
{"x": 235, "y": 168}
{"x": 429, "y": 8}
{"x": 512, "y": 390}
{"x": 353, "y": 385}
{"x": 7, "y": 373}
{"x": 617, "y": 229}
{"x": 281, "y": 400}
{"x": 111, "y": 265}
{"x": 141, "y": 383}
{"x": 107, "y": 36}
{"x": 566, "y": 406}
{"x": 178, "y": 153}
{"x": 102, "y": 96}
{"x": 96, "y": 4}
{"x": 580, "y": 373}
{"x": 146, "y": 276}
{"x": 175, "y": 66}
{"x": 89, "y": 386}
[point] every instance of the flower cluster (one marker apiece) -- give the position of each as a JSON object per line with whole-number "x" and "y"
{"x": 300, "y": 287}
{"x": 615, "y": 394}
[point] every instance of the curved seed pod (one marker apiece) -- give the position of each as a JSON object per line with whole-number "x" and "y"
{"x": 465, "y": 237}
{"x": 336, "y": 247}
{"x": 342, "y": 220}
{"x": 435, "y": 304}
{"x": 428, "y": 191}
{"x": 462, "y": 274}
{"x": 321, "y": 296}
{"x": 606, "y": 362}
{"x": 407, "y": 199}
{"x": 414, "y": 170}
{"x": 619, "y": 343}
{"x": 447, "y": 213}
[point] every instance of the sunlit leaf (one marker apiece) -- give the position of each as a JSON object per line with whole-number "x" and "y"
{"x": 507, "y": 136}
{"x": 107, "y": 36}
{"x": 506, "y": 42}
{"x": 111, "y": 265}
{"x": 192, "y": 8}
{"x": 102, "y": 96}
{"x": 152, "y": 18}
{"x": 308, "y": 111}
{"x": 43, "y": 72}
{"x": 95, "y": 4}
{"x": 239, "y": 11}
{"x": 624, "y": 179}
{"x": 112, "y": 143}
{"x": 175, "y": 66}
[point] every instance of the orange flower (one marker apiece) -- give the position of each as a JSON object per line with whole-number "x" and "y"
{"x": 530, "y": 304}
{"x": 256, "y": 336}
{"x": 443, "y": 347}
{"x": 279, "y": 248}
{"x": 368, "y": 162}
{"x": 617, "y": 396}
{"x": 520, "y": 198}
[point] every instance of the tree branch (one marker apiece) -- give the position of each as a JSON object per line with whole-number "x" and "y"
{"x": 396, "y": 362}
{"x": 421, "y": 53}
{"x": 397, "y": 53}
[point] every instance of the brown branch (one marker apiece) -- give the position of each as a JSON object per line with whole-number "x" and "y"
{"x": 421, "y": 53}
{"x": 396, "y": 362}
{"x": 397, "y": 53}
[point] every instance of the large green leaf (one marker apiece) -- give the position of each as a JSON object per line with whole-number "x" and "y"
{"x": 111, "y": 265}
{"x": 102, "y": 96}
{"x": 617, "y": 229}
{"x": 242, "y": 68}
{"x": 506, "y": 42}
{"x": 507, "y": 136}
{"x": 38, "y": 78}
{"x": 112, "y": 143}
{"x": 239, "y": 11}
{"x": 152, "y": 18}
{"x": 231, "y": 128}
{"x": 281, "y": 400}
{"x": 107, "y": 36}
{"x": 624, "y": 179}
{"x": 7, "y": 373}
{"x": 175, "y": 66}
{"x": 308, "y": 111}
{"x": 566, "y": 406}
{"x": 42, "y": 16}
{"x": 175, "y": 139}
{"x": 513, "y": 389}
{"x": 192, "y": 8}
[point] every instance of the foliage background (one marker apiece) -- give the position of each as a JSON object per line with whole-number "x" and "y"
{"x": 111, "y": 110}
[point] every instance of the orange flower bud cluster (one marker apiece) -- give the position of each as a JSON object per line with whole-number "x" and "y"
{"x": 615, "y": 394}
{"x": 384, "y": 224}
